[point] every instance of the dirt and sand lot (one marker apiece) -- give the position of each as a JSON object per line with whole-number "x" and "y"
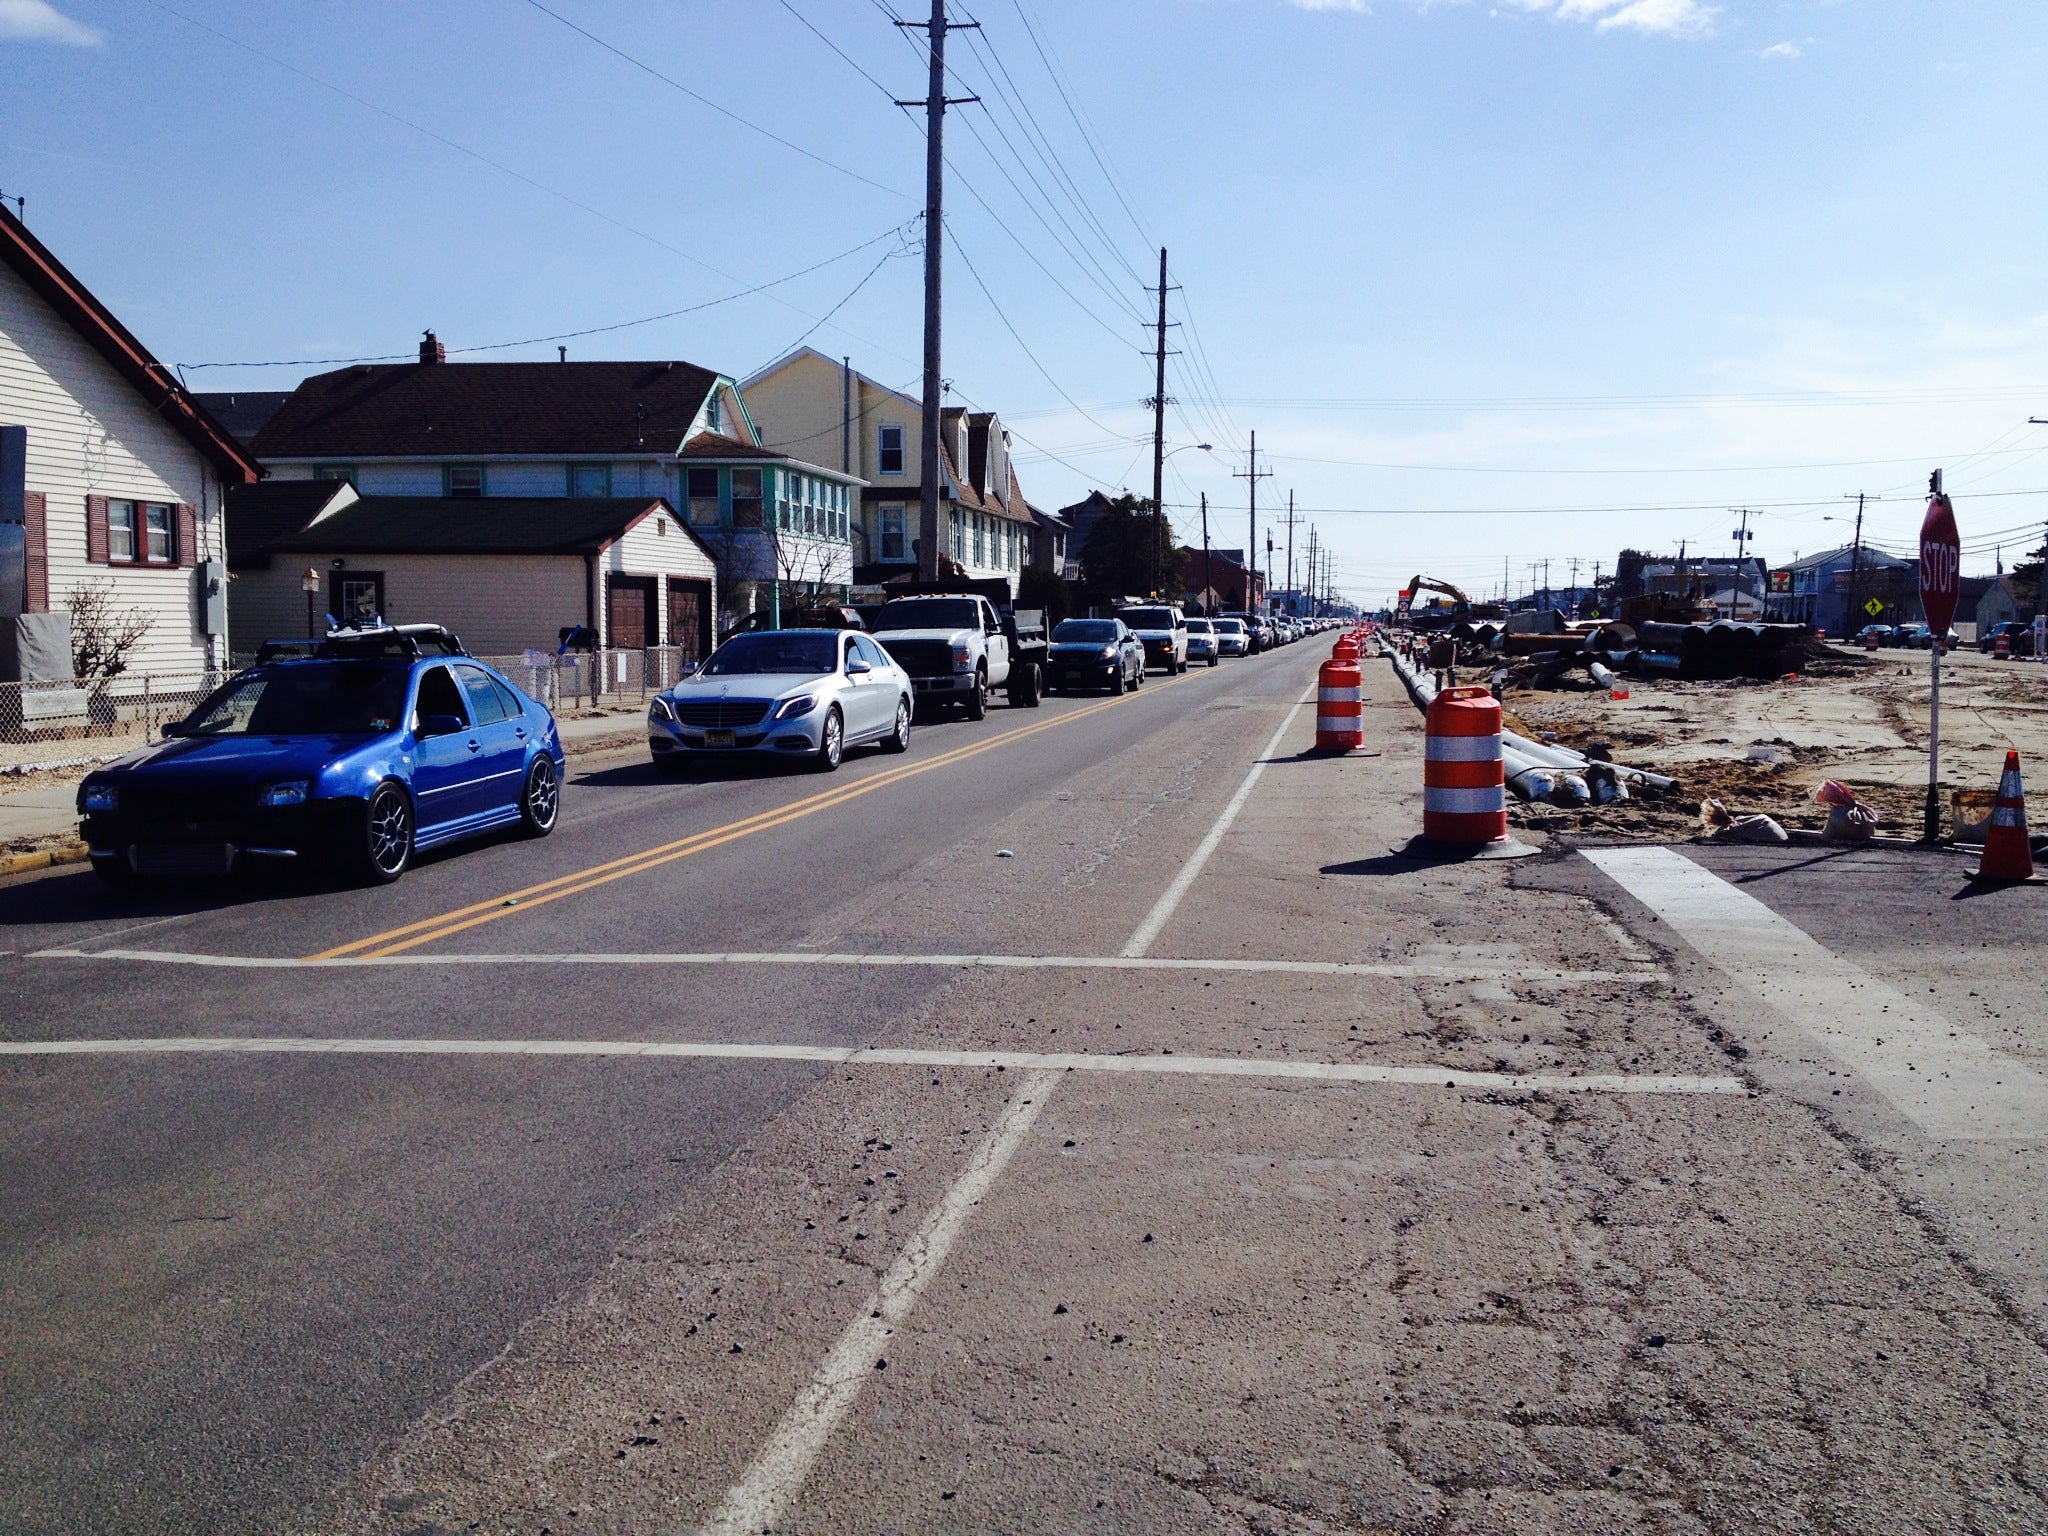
{"x": 1850, "y": 715}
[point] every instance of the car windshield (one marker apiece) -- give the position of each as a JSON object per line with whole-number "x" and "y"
{"x": 810, "y": 652}
{"x": 308, "y": 698}
{"x": 1085, "y": 632}
{"x": 1198, "y": 627}
{"x": 930, "y": 613}
{"x": 1148, "y": 618}
{"x": 1230, "y": 626}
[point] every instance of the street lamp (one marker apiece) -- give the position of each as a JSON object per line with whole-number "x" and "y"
{"x": 310, "y": 583}
{"x": 1159, "y": 516}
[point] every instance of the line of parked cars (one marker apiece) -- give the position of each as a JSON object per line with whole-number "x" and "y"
{"x": 359, "y": 750}
{"x": 1916, "y": 637}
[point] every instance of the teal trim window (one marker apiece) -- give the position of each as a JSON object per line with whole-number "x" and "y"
{"x": 703, "y": 498}
{"x": 462, "y": 480}
{"x": 746, "y": 498}
{"x": 712, "y": 414}
{"x": 590, "y": 480}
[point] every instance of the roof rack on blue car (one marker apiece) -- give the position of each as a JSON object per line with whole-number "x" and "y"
{"x": 395, "y": 642}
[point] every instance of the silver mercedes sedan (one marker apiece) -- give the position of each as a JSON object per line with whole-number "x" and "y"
{"x": 804, "y": 694}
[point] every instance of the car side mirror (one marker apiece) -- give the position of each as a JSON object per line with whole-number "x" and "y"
{"x": 438, "y": 725}
{"x": 855, "y": 666}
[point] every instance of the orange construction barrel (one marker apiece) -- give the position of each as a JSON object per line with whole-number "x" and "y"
{"x": 1464, "y": 785}
{"x": 1340, "y": 706}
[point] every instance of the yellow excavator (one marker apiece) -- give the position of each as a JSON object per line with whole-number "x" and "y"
{"x": 1462, "y": 607}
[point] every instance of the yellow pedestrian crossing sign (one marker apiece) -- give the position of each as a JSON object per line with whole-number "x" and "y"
{"x": 1873, "y": 607}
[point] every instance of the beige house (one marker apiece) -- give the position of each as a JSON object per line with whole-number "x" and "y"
{"x": 813, "y": 406}
{"x": 125, "y": 471}
{"x": 507, "y": 575}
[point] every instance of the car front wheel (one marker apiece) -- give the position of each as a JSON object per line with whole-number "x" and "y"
{"x": 541, "y": 802}
{"x": 977, "y": 701}
{"x": 898, "y": 740}
{"x": 376, "y": 842}
{"x": 831, "y": 743}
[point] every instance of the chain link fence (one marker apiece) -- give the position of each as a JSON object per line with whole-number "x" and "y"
{"x": 51, "y": 724}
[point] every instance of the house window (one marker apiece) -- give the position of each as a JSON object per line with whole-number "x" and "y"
{"x": 704, "y": 498}
{"x": 120, "y": 531}
{"x": 157, "y": 534}
{"x": 141, "y": 533}
{"x": 889, "y": 450}
{"x": 746, "y": 498}
{"x": 892, "y": 534}
{"x": 711, "y": 413}
{"x": 335, "y": 472}
{"x": 463, "y": 480}
{"x": 590, "y": 479}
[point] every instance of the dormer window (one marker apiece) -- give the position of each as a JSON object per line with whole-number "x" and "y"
{"x": 463, "y": 480}
{"x": 711, "y": 413}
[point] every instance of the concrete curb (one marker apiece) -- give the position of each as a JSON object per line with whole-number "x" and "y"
{"x": 42, "y": 858}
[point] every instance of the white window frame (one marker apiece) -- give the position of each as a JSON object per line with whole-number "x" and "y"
{"x": 882, "y": 435}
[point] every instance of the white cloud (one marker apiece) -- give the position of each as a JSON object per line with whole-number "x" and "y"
{"x": 1780, "y": 51}
{"x": 1668, "y": 18}
{"x": 37, "y": 21}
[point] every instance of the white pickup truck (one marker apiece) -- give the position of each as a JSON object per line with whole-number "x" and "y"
{"x": 954, "y": 647}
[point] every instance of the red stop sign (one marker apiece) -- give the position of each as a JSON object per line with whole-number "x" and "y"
{"x": 1941, "y": 564}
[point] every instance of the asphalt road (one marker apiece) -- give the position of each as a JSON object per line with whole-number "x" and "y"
{"x": 1254, "y": 1179}
{"x": 227, "y": 1283}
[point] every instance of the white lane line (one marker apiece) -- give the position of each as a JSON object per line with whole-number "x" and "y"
{"x": 1534, "y": 975}
{"x": 1163, "y": 909}
{"x": 1945, "y": 1079}
{"x": 766, "y": 1489}
{"x": 887, "y": 1056}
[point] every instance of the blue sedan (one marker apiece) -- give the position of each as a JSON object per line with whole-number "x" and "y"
{"x": 361, "y": 749}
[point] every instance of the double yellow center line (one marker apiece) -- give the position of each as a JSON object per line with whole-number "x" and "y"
{"x": 430, "y": 929}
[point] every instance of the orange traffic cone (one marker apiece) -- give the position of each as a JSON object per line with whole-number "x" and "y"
{"x": 2007, "y": 855}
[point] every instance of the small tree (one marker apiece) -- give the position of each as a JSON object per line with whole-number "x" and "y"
{"x": 1126, "y": 551}
{"x": 1040, "y": 586}
{"x": 103, "y": 634}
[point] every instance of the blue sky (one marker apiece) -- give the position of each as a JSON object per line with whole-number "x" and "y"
{"x": 1493, "y": 283}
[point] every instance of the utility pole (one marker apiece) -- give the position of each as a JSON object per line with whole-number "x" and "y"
{"x": 935, "y": 103}
{"x": 1314, "y": 611}
{"x": 1573, "y": 602}
{"x": 1208, "y": 588}
{"x": 1741, "y": 560}
{"x": 1290, "y": 541}
{"x": 1251, "y": 550}
{"x": 1159, "y": 434}
{"x": 1855, "y": 565}
{"x": 1269, "y": 565}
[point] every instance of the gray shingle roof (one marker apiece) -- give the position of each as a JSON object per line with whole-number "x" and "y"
{"x": 485, "y": 525}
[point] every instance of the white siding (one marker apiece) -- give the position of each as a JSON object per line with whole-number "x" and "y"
{"x": 498, "y": 604}
{"x": 90, "y": 433}
{"x": 645, "y": 550}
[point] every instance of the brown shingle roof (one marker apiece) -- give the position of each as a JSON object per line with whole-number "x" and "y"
{"x": 485, "y": 525}
{"x": 713, "y": 445}
{"x": 259, "y": 515}
{"x": 450, "y": 409}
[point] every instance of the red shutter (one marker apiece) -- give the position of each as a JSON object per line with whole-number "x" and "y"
{"x": 185, "y": 545}
{"x": 96, "y": 529}
{"x": 38, "y": 553}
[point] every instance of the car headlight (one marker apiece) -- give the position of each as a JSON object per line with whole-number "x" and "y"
{"x": 99, "y": 798}
{"x": 802, "y": 704}
{"x": 1109, "y": 653}
{"x": 661, "y": 709}
{"x": 292, "y": 793}
{"x": 963, "y": 659}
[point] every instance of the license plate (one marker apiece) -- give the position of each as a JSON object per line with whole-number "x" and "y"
{"x": 718, "y": 738}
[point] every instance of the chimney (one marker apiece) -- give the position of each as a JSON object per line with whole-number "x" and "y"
{"x": 432, "y": 351}
{"x": 561, "y": 354}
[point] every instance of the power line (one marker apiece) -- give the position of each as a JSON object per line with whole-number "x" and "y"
{"x": 674, "y": 84}
{"x": 594, "y": 330}
{"x": 887, "y": 257}
{"x": 1086, "y": 138}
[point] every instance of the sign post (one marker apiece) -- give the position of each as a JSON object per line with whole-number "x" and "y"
{"x": 1941, "y": 564}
